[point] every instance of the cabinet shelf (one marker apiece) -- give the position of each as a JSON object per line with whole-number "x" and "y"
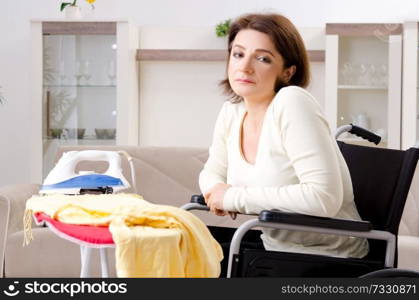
{"x": 202, "y": 55}
{"x": 81, "y": 86}
{"x": 361, "y": 87}
{"x": 72, "y": 140}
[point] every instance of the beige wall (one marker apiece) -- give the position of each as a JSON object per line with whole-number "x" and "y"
{"x": 15, "y": 56}
{"x": 179, "y": 101}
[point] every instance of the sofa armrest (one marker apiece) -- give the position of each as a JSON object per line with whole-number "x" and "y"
{"x": 12, "y": 207}
{"x": 15, "y": 196}
{"x": 408, "y": 249}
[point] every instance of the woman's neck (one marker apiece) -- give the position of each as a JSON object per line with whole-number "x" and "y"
{"x": 255, "y": 112}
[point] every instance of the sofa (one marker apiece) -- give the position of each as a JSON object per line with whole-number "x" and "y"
{"x": 163, "y": 175}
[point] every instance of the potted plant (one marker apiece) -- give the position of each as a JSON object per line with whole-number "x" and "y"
{"x": 72, "y": 10}
{"x": 221, "y": 29}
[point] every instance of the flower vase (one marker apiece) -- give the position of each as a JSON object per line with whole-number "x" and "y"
{"x": 73, "y": 12}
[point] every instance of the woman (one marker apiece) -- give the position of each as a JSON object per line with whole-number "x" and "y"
{"x": 272, "y": 147}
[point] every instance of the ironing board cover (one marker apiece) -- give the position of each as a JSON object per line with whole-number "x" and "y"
{"x": 81, "y": 234}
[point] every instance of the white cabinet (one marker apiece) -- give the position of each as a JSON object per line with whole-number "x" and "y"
{"x": 363, "y": 79}
{"x": 84, "y": 87}
{"x": 410, "y": 124}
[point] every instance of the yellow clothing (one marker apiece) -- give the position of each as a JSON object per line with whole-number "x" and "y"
{"x": 151, "y": 240}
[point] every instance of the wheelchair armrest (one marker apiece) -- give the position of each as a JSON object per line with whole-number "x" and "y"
{"x": 198, "y": 199}
{"x": 276, "y": 216}
{"x": 197, "y": 203}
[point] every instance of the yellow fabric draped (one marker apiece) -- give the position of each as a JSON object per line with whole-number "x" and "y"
{"x": 151, "y": 240}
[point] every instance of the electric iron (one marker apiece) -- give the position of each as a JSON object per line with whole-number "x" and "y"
{"x": 64, "y": 180}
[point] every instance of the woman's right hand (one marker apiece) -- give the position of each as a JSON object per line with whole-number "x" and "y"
{"x": 214, "y": 197}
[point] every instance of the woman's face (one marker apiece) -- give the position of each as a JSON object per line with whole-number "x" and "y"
{"x": 255, "y": 65}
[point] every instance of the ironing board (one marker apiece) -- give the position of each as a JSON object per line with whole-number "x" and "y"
{"x": 87, "y": 237}
{"x": 92, "y": 237}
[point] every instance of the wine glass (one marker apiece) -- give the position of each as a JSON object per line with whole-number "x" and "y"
{"x": 382, "y": 71}
{"x": 86, "y": 71}
{"x": 61, "y": 72}
{"x": 344, "y": 73}
{"x": 111, "y": 72}
{"x": 362, "y": 76}
{"x": 78, "y": 72}
{"x": 372, "y": 74}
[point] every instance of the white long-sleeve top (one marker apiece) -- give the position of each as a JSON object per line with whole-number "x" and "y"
{"x": 298, "y": 168}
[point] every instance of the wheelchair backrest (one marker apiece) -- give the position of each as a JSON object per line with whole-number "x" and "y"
{"x": 381, "y": 180}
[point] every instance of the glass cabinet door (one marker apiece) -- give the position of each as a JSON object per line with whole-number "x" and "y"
{"x": 367, "y": 75}
{"x": 362, "y": 84}
{"x": 79, "y": 86}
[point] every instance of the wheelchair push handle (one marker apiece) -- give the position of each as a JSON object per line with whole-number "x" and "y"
{"x": 365, "y": 134}
{"x": 359, "y": 131}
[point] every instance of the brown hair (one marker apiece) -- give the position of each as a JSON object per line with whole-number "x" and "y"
{"x": 287, "y": 41}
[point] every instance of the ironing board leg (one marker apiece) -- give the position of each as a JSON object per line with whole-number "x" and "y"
{"x": 104, "y": 262}
{"x": 85, "y": 261}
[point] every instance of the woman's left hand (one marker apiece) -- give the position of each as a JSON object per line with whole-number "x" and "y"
{"x": 214, "y": 197}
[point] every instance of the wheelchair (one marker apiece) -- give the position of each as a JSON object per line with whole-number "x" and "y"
{"x": 381, "y": 179}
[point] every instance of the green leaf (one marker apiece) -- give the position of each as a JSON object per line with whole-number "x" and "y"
{"x": 63, "y": 5}
{"x": 222, "y": 28}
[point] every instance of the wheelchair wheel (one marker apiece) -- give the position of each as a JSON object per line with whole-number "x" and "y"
{"x": 392, "y": 273}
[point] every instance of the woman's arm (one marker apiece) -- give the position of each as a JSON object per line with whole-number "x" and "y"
{"x": 312, "y": 151}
